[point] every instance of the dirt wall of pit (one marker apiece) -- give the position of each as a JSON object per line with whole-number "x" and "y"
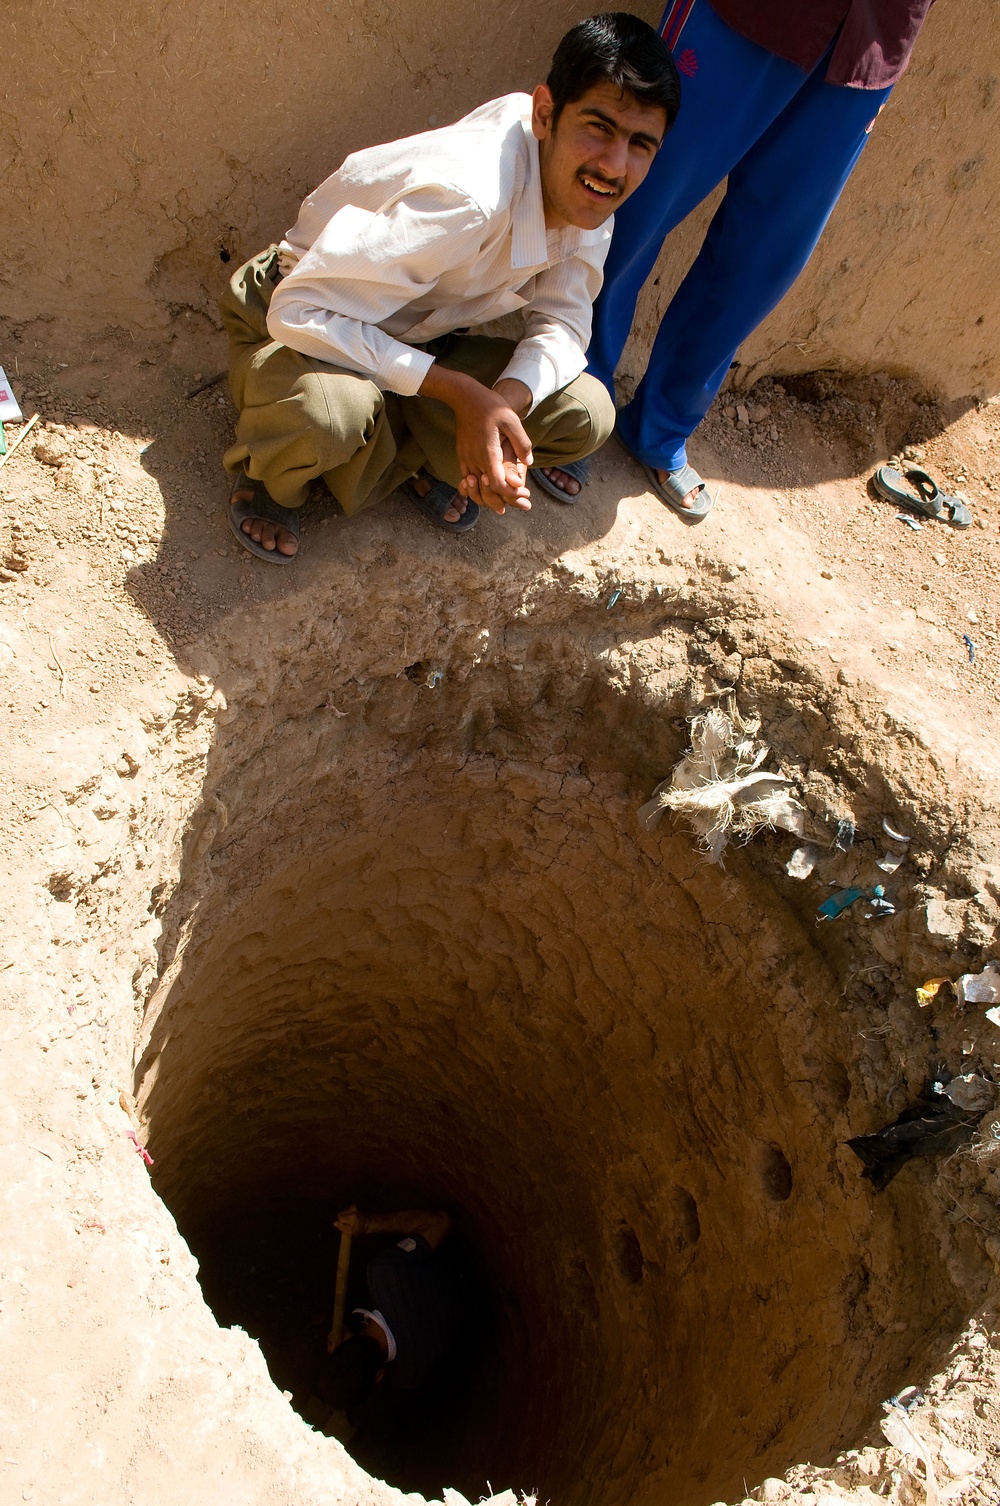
{"x": 149, "y": 145}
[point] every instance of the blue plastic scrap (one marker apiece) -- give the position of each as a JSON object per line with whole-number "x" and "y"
{"x": 970, "y": 646}
{"x": 881, "y": 907}
{"x": 839, "y": 902}
{"x": 614, "y": 597}
{"x": 845, "y": 898}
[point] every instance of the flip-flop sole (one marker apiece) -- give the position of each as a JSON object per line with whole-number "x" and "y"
{"x": 890, "y": 485}
{"x": 437, "y": 502}
{"x": 261, "y": 506}
{"x": 674, "y": 499}
{"x": 578, "y": 469}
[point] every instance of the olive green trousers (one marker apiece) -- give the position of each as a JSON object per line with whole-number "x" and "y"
{"x": 300, "y": 418}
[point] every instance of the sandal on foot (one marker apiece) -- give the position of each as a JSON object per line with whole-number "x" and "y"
{"x": 922, "y": 496}
{"x": 437, "y": 502}
{"x": 676, "y": 487}
{"x": 261, "y": 505}
{"x": 578, "y": 469}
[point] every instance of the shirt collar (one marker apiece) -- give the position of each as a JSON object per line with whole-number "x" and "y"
{"x": 377, "y": 1317}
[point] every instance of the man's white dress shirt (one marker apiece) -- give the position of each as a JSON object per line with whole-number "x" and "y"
{"x": 419, "y": 237}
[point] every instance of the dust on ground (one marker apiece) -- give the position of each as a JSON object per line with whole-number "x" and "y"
{"x": 116, "y": 567}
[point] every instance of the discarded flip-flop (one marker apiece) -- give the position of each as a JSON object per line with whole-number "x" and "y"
{"x": 435, "y": 503}
{"x": 676, "y": 487}
{"x": 259, "y": 504}
{"x": 922, "y": 495}
{"x": 578, "y": 469}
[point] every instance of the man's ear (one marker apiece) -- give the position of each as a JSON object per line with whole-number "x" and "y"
{"x": 543, "y": 109}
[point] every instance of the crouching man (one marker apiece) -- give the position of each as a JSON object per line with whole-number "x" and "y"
{"x": 349, "y": 357}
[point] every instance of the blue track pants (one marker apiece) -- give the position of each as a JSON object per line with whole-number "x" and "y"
{"x": 788, "y": 142}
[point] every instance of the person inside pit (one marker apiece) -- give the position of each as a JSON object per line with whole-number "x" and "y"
{"x": 405, "y": 1356}
{"x": 350, "y": 357}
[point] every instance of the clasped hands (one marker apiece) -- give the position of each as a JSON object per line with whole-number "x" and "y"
{"x": 491, "y": 445}
{"x": 493, "y": 449}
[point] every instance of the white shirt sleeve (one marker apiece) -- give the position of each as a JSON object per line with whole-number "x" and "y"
{"x": 364, "y": 266}
{"x": 558, "y": 323}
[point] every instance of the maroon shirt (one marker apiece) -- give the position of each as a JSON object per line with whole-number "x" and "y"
{"x": 872, "y": 50}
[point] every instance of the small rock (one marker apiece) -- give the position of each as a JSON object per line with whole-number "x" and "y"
{"x": 77, "y": 477}
{"x": 973, "y": 615}
{"x": 772, "y": 432}
{"x": 742, "y": 565}
{"x": 826, "y": 574}
{"x": 845, "y": 677}
{"x": 729, "y": 411}
{"x": 52, "y": 449}
{"x": 742, "y": 413}
{"x": 774, "y": 1490}
{"x": 940, "y": 559}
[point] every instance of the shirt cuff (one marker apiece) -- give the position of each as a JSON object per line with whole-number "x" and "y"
{"x": 402, "y": 369}
{"x": 536, "y": 371}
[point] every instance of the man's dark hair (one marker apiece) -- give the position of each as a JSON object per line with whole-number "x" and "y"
{"x": 619, "y": 49}
{"x": 348, "y": 1374}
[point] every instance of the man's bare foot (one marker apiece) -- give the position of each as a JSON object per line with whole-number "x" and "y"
{"x": 262, "y": 530}
{"x": 565, "y": 482}
{"x": 689, "y": 500}
{"x": 422, "y": 484}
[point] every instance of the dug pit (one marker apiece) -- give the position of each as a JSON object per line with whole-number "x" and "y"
{"x": 430, "y": 958}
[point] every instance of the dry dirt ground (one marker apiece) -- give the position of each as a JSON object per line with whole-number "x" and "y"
{"x": 119, "y": 588}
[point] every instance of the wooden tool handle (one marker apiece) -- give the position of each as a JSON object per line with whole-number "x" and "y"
{"x": 340, "y": 1294}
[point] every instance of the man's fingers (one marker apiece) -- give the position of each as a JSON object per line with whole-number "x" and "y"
{"x": 515, "y": 431}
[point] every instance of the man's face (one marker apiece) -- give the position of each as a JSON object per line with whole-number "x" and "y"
{"x": 596, "y": 153}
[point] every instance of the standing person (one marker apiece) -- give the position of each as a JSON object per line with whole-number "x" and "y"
{"x": 349, "y": 356}
{"x": 779, "y": 96}
{"x": 408, "y": 1355}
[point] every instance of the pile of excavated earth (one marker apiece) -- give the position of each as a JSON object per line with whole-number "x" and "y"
{"x": 328, "y": 884}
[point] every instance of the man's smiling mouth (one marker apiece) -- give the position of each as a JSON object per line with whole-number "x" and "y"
{"x": 604, "y": 190}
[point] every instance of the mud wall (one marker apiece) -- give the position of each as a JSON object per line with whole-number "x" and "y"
{"x": 147, "y": 144}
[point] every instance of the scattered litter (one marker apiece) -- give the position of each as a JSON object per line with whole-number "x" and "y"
{"x": 898, "y": 1432}
{"x": 892, "y": 833}
{"x": 12, "y": 449}
{"x": 970, "y": 646}
{"x": 901, "y": 517}
{"x": 932, "y": 1126}
{"x": 143, "y": 1152}
{"x": 970, "y": 1092}
{"x": 716, "y": 785}
{"x": 890, "y": 861}
{"x": 802, "y": 862}
{"x": 980, "y": 988}
{"x": 907, "y": 1399}
{"x": 839, "y": 902}
{"x": 845, "y": 834}
{"x": 928, "y": 991}
{"x": 615, "y": 596}
{"x": 881, "y": 907}
{"x": 434, "y": 678}
{"x": 10, "y": 408}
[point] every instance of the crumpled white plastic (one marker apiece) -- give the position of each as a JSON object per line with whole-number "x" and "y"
{"x": 717, "y": 786}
